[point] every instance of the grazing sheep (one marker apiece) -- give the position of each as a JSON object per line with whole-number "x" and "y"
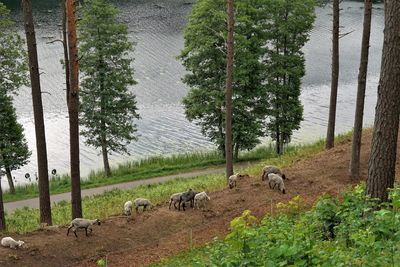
{"x": 185, "y": 197}
{"x": 175, "y": 199}
{"x": 128, "y": 208}
{"x": 142, "y": 202}
{"x": 201, "y": 198}
{"x": 11, "y": 243}
{"x": 271, "y": 169}
{"x": 233, "y": 178}
{"x": 276, "y": 179}
{"x": 82, "y": 223}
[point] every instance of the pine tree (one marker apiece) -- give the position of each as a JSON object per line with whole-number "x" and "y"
{"x": 362, "y": 83}
{"x": 13, "y": 145}
{"x": 44, "y": 192}
{"x": 204, "y": 56}
{"x": 13, "y": 74}
{"x": 382, "y": 161}
{"x": 288, "y": 25}
{"x": 108, "y": 108}
{"x": 13, "y": 60}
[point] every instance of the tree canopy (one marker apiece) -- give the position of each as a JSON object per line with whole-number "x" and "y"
{"x": 268, "y": 68}
{"x": 107, "y": 108}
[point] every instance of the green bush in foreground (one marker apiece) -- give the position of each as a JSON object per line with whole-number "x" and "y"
{"x": 351, "y": 231}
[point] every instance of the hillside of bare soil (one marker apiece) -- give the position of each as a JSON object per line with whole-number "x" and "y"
{"x": 160, "y": 233}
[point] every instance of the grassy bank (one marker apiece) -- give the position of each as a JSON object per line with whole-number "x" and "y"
{"x": 138, "y": 170}
{"x": 345, "y": 231}
{"x": 110, "y": 203}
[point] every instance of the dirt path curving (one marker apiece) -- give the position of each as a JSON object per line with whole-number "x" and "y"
{"x": 160, "y": 233}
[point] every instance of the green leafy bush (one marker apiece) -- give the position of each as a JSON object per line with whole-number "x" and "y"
{"x": 350, "y": 230}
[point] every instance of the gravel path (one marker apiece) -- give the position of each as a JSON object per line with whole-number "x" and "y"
{"x": 34, "y": 202}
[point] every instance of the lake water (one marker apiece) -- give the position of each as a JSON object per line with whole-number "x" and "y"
{"x": 157, "y": 28}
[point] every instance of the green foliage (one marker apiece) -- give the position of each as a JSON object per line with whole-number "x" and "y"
{"x": 350, "y": 230}
{"x": 204, "y": 55}
{"x": 289, "y": 23}
{"x": 107, "y": 108}
{"x": 13, "y": 64}
{"x": 14, "y": 151}
{"x": 268, "y": 68}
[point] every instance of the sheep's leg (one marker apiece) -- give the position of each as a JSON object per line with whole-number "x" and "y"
{"x": 137, "y": 209}
{"x": 74, "y": 230}
{"x": 269, "y": 183}
{"x": 144, "y": 207}
{"x": 86, "y": 231}
{"x": 183, "y": 206}
{"x": 69, "y": 228}
{"x": 179, "y": 205}
{"x": 175, "y": 205}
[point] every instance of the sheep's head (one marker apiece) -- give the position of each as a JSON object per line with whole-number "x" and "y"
{"x": 283, "y": 176}
{"x": 231, "y": 184}
{"x": 97, "y": 221}
{"x": 20, "y": 243}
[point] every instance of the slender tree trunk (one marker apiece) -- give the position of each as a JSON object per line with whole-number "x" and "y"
{"x": 382, "y": 161}
{"x": 73, "y": 110}
{"x": 65, "y": 46}
{"x": 10, "y": 180}
{"x": 44, "y": 194}
{"x": 330, "y": 136}
{"x": 362, "y": 80}
{"x": 104, "y": 151}
{"x": 278, "y": 141}
{"x": 229, "y": 90}
{"x": 236, "y": 154}
{"x": 2, "y": 216}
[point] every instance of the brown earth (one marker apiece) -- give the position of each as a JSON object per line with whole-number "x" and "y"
{"x": 160, "y": 233}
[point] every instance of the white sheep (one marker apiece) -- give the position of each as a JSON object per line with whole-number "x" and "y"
{"x": 233, "y": 179}
{"x": 175, "y": 199}
{"x": 276, "y": 180}
{"x": 271, "y": 169}
{"x": 11, "y": 243}
{"x": 201, "y": 198}
{"x": 82, "y": 223}
{"x": 142, "y": 202}
{"x": 128, "y": 208}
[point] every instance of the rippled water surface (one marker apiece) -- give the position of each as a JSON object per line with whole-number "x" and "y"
{"x": 157, "y": 28}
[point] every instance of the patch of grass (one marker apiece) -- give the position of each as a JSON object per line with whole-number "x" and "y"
{"x": 110, "y": 203}
{"x": 139, "y": 170}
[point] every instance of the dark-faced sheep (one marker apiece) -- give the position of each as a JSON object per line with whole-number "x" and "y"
{"x": 186, "y": 197}
{"x": 276, "y": 180}
{"x": 271, "y": 169}
{"x": 82, "y": 223}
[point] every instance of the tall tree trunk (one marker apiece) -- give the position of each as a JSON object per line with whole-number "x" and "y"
{"x": 104, "y": 151}
{"x": 2, "y": 216}
{"x": 236, "y": 153}
{"x": 229, "y": 90}
{"x": 65, "y": 46}
{"x": 73, "y": 110}
{"x": 382, "y": 161}
{"x": 278, "y": 141}
{"x": 362, "y": 80}
{"x": 330, "y": 136}
{"x": 44, "y": 194}
{"x": 10, "y": 180}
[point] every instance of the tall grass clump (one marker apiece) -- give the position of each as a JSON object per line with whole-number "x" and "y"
{"x": 350, "y": 230}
